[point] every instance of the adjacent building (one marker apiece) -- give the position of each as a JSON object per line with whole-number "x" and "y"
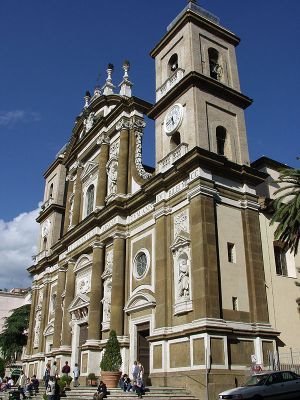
{"x": 171, "y": 258}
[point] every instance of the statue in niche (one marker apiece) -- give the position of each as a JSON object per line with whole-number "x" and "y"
{"x": 106, "y": 301}
{"x": 184, "y": 279}
{"x": 37, "y": 328}
{"x": 112, "y": 173}
{"x": 71, "y": 210}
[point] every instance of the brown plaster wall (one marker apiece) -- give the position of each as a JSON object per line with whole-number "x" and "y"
{"x": 180, "y": 355}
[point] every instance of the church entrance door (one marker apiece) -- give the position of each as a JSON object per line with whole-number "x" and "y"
{"x": 143, "y": 349}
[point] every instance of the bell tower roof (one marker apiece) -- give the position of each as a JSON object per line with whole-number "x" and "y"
{"x": 193, "y": 6}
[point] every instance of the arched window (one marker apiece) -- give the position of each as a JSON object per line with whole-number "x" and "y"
{"x": 175, "y": 140}
{"x": 173, "y": 63}
{"x": 51, "y": 191}
{"x": 90, "y": 199}
{"x": 215, "y": 68}
{"x": 221, "y": 139}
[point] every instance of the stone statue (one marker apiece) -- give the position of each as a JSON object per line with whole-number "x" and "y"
{"x": 106, "y": 301}
{"x": 112, "y": 177}
{"x": 184, "y": 280}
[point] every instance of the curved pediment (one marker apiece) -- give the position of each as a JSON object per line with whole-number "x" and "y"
{"x": 83, "y": 261}
{"x": 49, "y": 330}
{"x": 140, "y": 301}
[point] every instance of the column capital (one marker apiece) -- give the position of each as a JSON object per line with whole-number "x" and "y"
{"x": 119, "y": 235}
{"x": 98, "y": 245}
{"x": 103, "y": 139}
{"x": 123, "y": 124}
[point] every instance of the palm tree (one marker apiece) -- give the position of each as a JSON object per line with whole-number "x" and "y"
{"x": 287, "y": 209}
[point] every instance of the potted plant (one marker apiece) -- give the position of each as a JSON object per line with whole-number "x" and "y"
{"x": 92, "y": 379}
{"x": 64, "y": 382}
{"x": 111, "y": 361}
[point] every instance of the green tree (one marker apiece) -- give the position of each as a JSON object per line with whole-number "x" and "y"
{"x": 2, "y": 367}
{"x": 287, "y": 209}
{"x": 12, "y": 337}
{"x": 112, "y": 359}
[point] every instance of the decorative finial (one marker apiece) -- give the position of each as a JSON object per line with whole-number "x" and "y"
{"x": 97, "y": 90}
{"x": 108, "y": 87}
{"x": 125, "y": 85}
{"x": 87, "y": 98}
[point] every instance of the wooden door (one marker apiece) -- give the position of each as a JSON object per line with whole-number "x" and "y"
{"x": 143, "y": 350}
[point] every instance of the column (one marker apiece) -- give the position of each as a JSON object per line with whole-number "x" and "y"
{"x": 102, "y": 174}
{"x": 44, "y": 315}
{"x": 118, "y": 284}
{"x": 67, "y": 221}
{"x": 32, "y": 319}
{"x": 69, "y": 296}
{"x": 61, "y": 280}
{"x": 122, "y": 180}
{"x": 96, "y": 294}
{"x": 77, "y": 198}
{"x": 204, "y": 266}
{"x": 255, "y": 266}
{"x": 163, "y": 274}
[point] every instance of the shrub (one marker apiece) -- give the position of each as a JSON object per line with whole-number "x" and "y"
{"x": 111, "y": 360}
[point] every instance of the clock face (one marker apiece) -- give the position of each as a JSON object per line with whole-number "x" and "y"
{"x": 173, "y": 119}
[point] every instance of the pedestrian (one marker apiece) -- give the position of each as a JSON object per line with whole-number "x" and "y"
{"x": 141, "y": 370}
{"x": 76, "y": 373}
{"x": 46, "y": 374}
{"x": 50, "y": 390}
{"x": 66, "y": 369}
{"x": 21, "y": 383}
{"x": 135, "y": 370}
{"x": 54, "y": 370}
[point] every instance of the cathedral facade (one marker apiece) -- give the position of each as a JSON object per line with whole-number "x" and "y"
{"x": 170, "y": 258}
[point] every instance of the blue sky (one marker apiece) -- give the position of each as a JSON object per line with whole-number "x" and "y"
{"x": 53, "y": 51}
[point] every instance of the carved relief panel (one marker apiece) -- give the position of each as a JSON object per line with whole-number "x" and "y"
{"x": 107, "y": 286}
{"x": 182, "y": 263}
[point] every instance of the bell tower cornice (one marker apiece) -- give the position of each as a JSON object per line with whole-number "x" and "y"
{"x": 195, "y": 79}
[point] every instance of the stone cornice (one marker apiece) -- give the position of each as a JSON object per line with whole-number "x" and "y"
{"x": 204, "y": 83}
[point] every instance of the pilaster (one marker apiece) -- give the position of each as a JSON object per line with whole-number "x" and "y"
{"x": 77, "y": 197}
{"x": 34, "y": 290}
{"x": 118, "y": 284}
{"x": 61, "y": 280}
{"x": 69, "y": 295}
{"x": 44, "y": 314}
{"x": 163, "y": 275}
{"x": 68, "y": 217}
{"x": 102, "y": 174}
{"x": 204, "y": 266}
{"x": 122, "y": 180}
{"x": 95, "y": 308}
{"x": 255, "y": 266}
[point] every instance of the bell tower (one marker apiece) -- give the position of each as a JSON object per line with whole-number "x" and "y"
{"x": 198, "y": 96}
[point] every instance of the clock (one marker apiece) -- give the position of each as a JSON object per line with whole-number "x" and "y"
{"x": 173, "y": 119}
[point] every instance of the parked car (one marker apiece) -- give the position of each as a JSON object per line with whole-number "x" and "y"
{"x": 275, "y": 385}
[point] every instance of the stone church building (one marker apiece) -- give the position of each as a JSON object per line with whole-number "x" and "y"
{"x": 171, "y": 258}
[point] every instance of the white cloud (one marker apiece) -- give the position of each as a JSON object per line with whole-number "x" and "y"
{"x": 10, "y": 118}
{"x": 18, "y": 239}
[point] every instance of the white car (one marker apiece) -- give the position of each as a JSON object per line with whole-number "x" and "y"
{"x": 273, "y": 385}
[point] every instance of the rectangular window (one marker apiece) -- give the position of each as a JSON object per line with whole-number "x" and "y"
{"x": 231, "y": 252}
{"x": 235, "y": 304}
{"x": 280, "y": 260}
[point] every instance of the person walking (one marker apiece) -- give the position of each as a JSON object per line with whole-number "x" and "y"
{"x": 135, "y": 371}
{"x": 76, "y": 373}
{"x": 54, "y": 370}
{"x": 21, "y": 383}
{"x": 50, "y": 390}
{"x": 66, "y": 369}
